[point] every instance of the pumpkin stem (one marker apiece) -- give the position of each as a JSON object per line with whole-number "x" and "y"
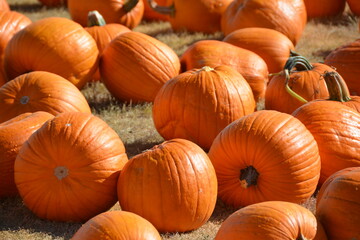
{"x": 170, "y": 10}
{"x": 248, "y": 177}
{"x": 290, "y": 91}
{"x": 61, "y": 172}
{"x": 95, "y": 19}
{"x": 298, "y": 62}
{"x": 129, "y": 5}
{"x": 337, "y": 87}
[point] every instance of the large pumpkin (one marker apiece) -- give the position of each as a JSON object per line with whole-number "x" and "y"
{"x": 173, "y": 186}
{"x": 338, "y": 204}
{"x": 193, "y": 16}
{"x": 10, "y": 23}
{"x": 286, "y": 16}
{"x": 276, "y": 220}
{"x": 213, "y": 53}
{"x": 68, "y": 169}
{"x": 273, "y": 46}
{"x": 197, "y": 104}
{"x": 56, "y": 45}
{"x": 135, "y": 66}
{"x": 125, "y": 12}
{"x": 40, "y": 91}
{"x": 13, "y": 134}
{"x": 264, "y": 156}
{"x": 119, "y": 225}
{"x": 324, "y": 8}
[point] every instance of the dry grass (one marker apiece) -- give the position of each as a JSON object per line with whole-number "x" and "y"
{"x": 134, "y": 124}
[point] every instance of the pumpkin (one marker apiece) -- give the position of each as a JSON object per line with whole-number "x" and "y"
{"x": 4, "y": 6}
{"x": 271, "y": 45}
{"x": 120, "y": 225}
{"x": 299, "y": 82}
{"x": 324, "y": 8}
{"x": 40, "y": 91}
{"x": 10, "y": 23}
{"x": 338, "y": 204}
{"x": 193, "y": 16}
{"x": 126, "y": 12}
{"x": 135, "y": 66}
{"x": 102, "y": 33}
{"x": 213, "y": 53}
{"x": 275, "y": 220}
{"x": 172, "y": 185}
{"x": 286, "y": 16}
{"x": 346, "y": 60}
{"x": 13, "y": 134}
{"x": 333, "y": 126}
{"x": 265, "y": 156}
{"x": 354, "y": 6}
{"x": 197, "y": 104}
{"x": 68, "y": 169}
{"x": 151, "y": 15}
{"x": 56, "y": 45}
{"x": 53, "y": 3}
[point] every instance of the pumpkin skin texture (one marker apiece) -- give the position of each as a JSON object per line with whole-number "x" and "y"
{"x": 324, "y": 8}
{"x": 56, "y": 45}
{"x": 10, "y": 23}
{"x": 286, "y": 16}
{"x": 307, "y": 82}
{"x": 74, "y": 179}
{"x": 338, "y": 204}
{"x": 213, "y": 53}
{"x": 179, "y": 181}
{"x": 135, "y": 66}
{"x": 265, "y": 156}
{"x": 152, "y": 15}
{"x": 119, "y": 225}
{"x": 197, "y": 104}
{"x": 346, "y": 60}
{"x": 113, "y": 11}
{"x": 354, "y": 6}
{"x": 271, "y": 45}
{"x": 13, "y": 134}
{"x": 40, "y": 91}
{"x": 334, "y": 134}
{"x": 275, "y": 220}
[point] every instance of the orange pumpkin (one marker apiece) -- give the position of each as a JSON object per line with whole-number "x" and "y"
{"x": 173, "y": 186}
{"x": 324, "y": 8}
{"x": 193, "y": 16}
{"x": 354, "y": 6}
{"x": 273, "y": 46}
{"x": 334, "y": 127}
{"x": 10, "y": 23}
{"x": 13, "y": 134}
{"x": 68, "y": 169}
{"x": 265, "y": 156}
{"x": 102, "y": 33}
{"x": 213, "y": 53}
{"x": 53, "y": 3}
{"x": 197, "y": 104}
{"x": 276, "y": 220}
{"x": 40, "y": 91}
{"x": 298, "y": 83}
{"x": 151, "y": 15}
{"x": 126, "y": 12}
{"x": 135, "y": 66}
{"x": 119, "y": 225}
{"x": 56, "y": 45}
{"x": 286, "y": 16}
{"x": 338, "y": 204}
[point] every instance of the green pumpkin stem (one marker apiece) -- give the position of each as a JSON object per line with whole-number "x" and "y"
{"x": 129, "y": 5}
{"x": 338, "y": 90}
{"x": 248, "y": 177}
{"x": 290, "y": 91}
{"x": 95, "y": 19}
{"x": 170, "y": 10}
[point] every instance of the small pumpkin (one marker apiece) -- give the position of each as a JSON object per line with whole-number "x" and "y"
{"x": 197, "y": 104}
{"x": 265, "y": 156}
{"x": 338, "y": 204}
{"x": 68, "y": 169}
{"x": 40, "y": 91}
{"x": 53, "y": 44}
{"x": 13, "y": 134}
{"x": 120, "y": 225}
{"x": 324, "y": 8}
{"x": 269, "y": 220}
{"x": 126, "y": 12}
{"x": 135, "y": 66}
{"x": 172, "y": 185}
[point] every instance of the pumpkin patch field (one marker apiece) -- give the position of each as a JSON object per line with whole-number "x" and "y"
{"x": 179, "y": 119}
